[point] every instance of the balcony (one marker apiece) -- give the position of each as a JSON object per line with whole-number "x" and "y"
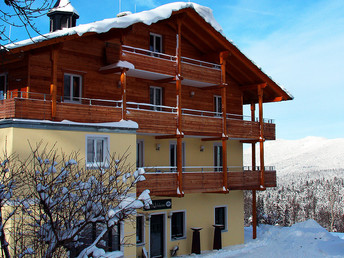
{"x": 151, "y": 118}
{"x": 162, "y": 181}
{"x": 159, "y": 66}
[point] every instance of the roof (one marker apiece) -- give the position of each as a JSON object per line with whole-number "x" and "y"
{"x": 244, "y": 71}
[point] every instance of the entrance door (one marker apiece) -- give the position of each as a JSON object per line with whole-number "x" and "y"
{"x": 157, "y": 236}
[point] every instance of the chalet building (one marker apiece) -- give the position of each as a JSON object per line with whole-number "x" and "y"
{"x": 183, "y": 85}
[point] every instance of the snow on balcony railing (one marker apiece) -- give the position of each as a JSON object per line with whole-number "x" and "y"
{"x": 141, "y": 51}
{"x": 186, "y": 60}
{"x": 203, "y": 169}
{"x": 151, "y": 107}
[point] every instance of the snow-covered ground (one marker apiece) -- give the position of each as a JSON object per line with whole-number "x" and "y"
{"x": 305, "y": 239}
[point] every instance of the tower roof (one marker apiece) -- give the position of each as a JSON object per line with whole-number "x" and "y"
{"x": 63, "y": 6}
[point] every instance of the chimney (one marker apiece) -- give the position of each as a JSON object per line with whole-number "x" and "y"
{"x": 62, "y": 15}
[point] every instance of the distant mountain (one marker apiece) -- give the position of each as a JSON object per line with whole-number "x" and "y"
{"x": 306, "y": 155}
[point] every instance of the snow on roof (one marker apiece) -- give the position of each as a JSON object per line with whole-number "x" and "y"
{"x": 127, "y": 124}
{"x": 63, "y": 6}
{"x": 147, "y": 17}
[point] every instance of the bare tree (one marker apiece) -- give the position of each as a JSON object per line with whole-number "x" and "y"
{"x": 21, "y": 13}
{"x": 66, "y": 201}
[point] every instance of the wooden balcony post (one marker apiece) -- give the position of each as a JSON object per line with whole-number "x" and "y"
{"x": 124, "y": 93}
{"x": 179, "y": 132}
{"x": 223, "y": 57}
{"x": 53, "y": 86}
{"x": 254, "y": 198}
{"x": 261, "y": 137}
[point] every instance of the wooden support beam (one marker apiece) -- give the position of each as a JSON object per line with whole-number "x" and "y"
{"x": 169, "y": 79}
{"x": 179, "y": 107}
{"x": 214, "y": 139}
{"x": 214, "y": 87}
{"x": 254, "y": 197}
{"x": 254, "y": 86}
{"x": 250, "y": 141}
{"x": 261, "y": 137}
{"x": 171, "y": 136}
{"x": 223, "y": 60}
{"x": 124, "y": 93}
{"x": 53, "y": 86}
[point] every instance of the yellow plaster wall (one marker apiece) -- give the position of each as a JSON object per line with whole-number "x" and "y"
{"x": 69, "y": 141}
{"x": 200, "y": 209}
{"x": 193, "y": 155}
{"x": 6, "y": 141}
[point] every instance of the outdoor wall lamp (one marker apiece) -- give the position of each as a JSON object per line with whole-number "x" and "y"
{"x": 192, "y": 93}
{"x": 157, "y": 146}
{"x": 170, "y": 215}
{"x": 201, "y": 148}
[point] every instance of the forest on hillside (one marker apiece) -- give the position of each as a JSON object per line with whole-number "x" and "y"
{"x": 316, "y": 195}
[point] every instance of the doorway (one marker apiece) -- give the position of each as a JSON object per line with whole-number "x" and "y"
{"x": 157, "y": 239}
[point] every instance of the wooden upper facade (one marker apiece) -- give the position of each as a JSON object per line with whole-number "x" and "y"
{"x": 177, "y": 77}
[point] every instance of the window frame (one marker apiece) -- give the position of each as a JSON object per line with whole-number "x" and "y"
{"x": 140, "y": 153}
{"x": 72, "y": 99}
{"x": 106, "y": 151}
{"x": 173, "y": 145}
{"x": 153, "y": 100}
{"x": 143, "y": 242}
{"x": 153, "y": 47}
{"x": 218, "y": 167}
{"x": 183, "y": 226}
{"x": 225, "y": 229}
{"x": 218, "y": 105}
{"x": 5, "y": 75}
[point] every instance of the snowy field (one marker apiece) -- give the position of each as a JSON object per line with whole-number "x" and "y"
{"x": 305, "y": 239}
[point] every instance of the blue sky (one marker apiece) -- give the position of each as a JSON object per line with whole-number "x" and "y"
{"x": 299, "y": 43}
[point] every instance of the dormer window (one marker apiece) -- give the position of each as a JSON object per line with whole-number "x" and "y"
{"x": 155, "y": 42}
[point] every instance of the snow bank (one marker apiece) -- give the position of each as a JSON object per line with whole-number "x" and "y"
{"x": 147, "y": 17}
{"x": 305, "y": 239}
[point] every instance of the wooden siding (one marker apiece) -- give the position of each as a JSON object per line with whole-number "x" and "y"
{"x": 165, "y": 184}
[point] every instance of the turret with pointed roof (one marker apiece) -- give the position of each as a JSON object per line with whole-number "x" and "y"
{"x": 62, "y": 15}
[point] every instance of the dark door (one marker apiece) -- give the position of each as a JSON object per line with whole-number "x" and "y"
{"x": 157, "y": 236}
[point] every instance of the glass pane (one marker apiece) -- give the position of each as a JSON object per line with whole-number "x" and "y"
{"x": 158, "y": 96}
{"x": 76, "y": 88}
{"x": 151, "y": 43}
{"x": 151, "y": 95}
{"x": 100, "y": 150}
{"x": 90, "y": 150}
{"x": 158, "y": 44}
{"x": 139, "y": 231}
{"x": 2, "y": 86}
{"x": 66, "y": 90}
{"x": 178, "y": 224}
{"x": 220, "y": 216}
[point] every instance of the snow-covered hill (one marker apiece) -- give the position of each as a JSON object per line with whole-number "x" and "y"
{"x": 306, "y": 155}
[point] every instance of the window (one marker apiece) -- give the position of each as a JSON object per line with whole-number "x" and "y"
{"x": 218, "y": 157}
{"x": 155, "y": 43}
{"x": 139, "y": 154}
{"x": 140, "y": 230}
{"x": 178, "y": 225}
{"x": 218, "y": 105}
{"x": 97, "y": 151}
{"x": 72, "y": 87}
{"x": 155, "y": 97}
{"x": 221, "y": 216}
{"x": 3, "y": 85}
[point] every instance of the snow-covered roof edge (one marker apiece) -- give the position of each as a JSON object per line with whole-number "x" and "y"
{"x": 123, "y": 124}
{"x": 147, "y": 17}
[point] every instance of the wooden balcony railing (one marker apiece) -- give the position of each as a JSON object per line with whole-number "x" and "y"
{"x": 195, "y": 70}
{"x": 151, "y": 118}
{"x": 162, "y": 181}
